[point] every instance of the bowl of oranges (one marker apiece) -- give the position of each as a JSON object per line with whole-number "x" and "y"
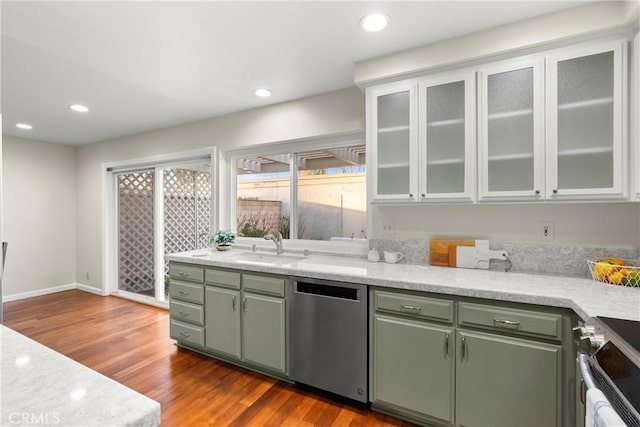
{"x": 616, "y": 271}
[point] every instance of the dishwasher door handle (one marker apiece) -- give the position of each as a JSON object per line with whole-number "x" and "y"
{"x": 322, "y": 290}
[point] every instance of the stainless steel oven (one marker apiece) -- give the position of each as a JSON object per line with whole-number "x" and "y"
{"x": 609, "y": 361}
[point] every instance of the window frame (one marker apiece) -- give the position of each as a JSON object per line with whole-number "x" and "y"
{"x": 292, "y": 147}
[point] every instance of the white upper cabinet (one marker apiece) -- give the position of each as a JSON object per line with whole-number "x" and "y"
{"x": 422, "y": 139}
{"x": 511, "y": 131}
{"x": 392, "y": 134}
{"x": 551, "y": 126}
{"x": 585, "y": 141}
{"x": 447, "y": 137}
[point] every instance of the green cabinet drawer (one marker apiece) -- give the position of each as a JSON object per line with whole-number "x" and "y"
{"x": 188, "y": 334}
{"x": 186, "y": 312}
{"x": 186, "y": 272}
{"x": 515, "y": 321}
{"x": 186, "y": 291}
{"x": 263, "y": 285}
{"x": 414, "y": 306}
{"x": 227, "y": 279}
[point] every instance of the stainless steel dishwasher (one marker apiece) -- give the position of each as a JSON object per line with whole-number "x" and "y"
{"x": 328, "y": 336}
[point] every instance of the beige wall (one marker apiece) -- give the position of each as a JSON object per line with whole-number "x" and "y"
{"x": 331, "y": 113}
{"x": 588, "y": 224}
{"x": 39, "y": 215}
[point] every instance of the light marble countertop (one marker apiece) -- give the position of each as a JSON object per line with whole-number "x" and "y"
{"x": 39, "y": 386}
{"x": 585, "y": 297}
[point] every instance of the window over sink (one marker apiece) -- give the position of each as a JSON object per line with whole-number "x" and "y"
{"x": 312, "y": 190}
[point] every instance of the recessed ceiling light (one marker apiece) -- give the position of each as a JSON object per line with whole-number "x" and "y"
{"x": 79, "y": 108}
{"x": 24, "y": 126}
{"x": 374, "y": 22}
{"x": 262, "y": 93}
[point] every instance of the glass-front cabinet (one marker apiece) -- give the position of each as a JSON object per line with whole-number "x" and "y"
{"x": 511, "y": 130}
{"x": 585, "y": 99}
{"x": 392, "y": 134}
{"x": 550, "y": 126}
{"x": 447, "y": 137}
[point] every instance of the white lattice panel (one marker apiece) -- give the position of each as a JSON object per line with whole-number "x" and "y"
{"x": 187, "y": 207}
{"x": 135, "y": 232}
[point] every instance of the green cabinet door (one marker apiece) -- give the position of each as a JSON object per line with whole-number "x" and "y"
{"x": 264, "y": 331}
{"x": 222, "y": 320}
{"x": 503, "y": 381}
{"x": 413, "y": 366}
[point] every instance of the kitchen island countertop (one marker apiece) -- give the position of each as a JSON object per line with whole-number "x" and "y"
{"x": 40, "y": 386}
{"x": 585, "y": 297}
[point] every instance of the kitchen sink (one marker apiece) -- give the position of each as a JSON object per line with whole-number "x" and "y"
{"x": 265, "y": 258}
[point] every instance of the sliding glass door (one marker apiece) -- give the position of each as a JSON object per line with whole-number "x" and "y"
{"x": 159, "y": 210}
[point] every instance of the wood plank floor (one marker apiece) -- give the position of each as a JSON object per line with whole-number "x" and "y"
{"x": 129, "y": 342}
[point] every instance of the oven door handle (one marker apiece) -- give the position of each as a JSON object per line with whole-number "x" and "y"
{"x": 583, "y": 362}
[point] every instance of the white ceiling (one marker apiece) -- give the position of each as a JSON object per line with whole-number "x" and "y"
{"x": 147, "y": 65}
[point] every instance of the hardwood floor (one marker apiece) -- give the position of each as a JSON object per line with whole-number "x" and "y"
{"x": 129, "y": 342}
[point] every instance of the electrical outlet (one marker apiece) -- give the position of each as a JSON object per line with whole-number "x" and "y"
{"x": 546, "y": 230}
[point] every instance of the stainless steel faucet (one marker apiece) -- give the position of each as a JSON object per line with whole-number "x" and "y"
{"x": 276, "y": 237}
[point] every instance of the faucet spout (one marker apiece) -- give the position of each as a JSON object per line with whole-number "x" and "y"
{"x": 276, "y": 238}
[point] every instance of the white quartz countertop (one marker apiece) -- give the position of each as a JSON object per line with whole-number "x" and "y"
{"x": 40, "y": 386}
{"x": 585, "y": 297}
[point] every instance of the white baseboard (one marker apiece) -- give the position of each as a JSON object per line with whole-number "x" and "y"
{"x": 90, "y": 289}
{"x": 52, "y": 290}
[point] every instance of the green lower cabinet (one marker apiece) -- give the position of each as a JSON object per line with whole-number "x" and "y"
{"x": 264, "y": 331}
{"x": 413, "y": 366}
{"x": 222, "y": 320}
{"x": 504, "y": 381}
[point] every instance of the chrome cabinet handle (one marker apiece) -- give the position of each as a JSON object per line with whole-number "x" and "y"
{"x": 446, "y": 344}
{"x": 505, "y": 322}
{"x": 463, "y": 347}
{"x": 537, "y": 192}
{"x": 185, "y": 293}
{"x": 412, "y": 308}
{"x": 233, "y": 303}
{"x": 182, "y": 273}
{"x": 185, "y": 334}
{"x": 410, "y": 194}
{"x": 244, "y": 305}
{"x": 184, "y": 313}
{"x": 424, "y": 195}
{"x": 555, "y": 191}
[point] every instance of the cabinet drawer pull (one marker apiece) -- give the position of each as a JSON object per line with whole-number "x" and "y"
{"x": 185, "y": 334}
{"x": 184, "y": 313}
{"x": 506, "y": 323}
{"x": 182, "y": 273}
{"x": 446, "y": 344}
{"x": 184, "y": 293}
{"x": 233, "y": 303}
{"x": 411, "y": 308}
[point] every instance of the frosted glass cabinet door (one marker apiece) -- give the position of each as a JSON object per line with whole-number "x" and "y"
{"x": 511, "y": 130}
{"x": 393, "y": 141}
{"x": 584, "y": 121}
{"x": 447, "y": 137}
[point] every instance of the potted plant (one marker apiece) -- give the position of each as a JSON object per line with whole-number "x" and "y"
{"x": 223, "y": 239}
